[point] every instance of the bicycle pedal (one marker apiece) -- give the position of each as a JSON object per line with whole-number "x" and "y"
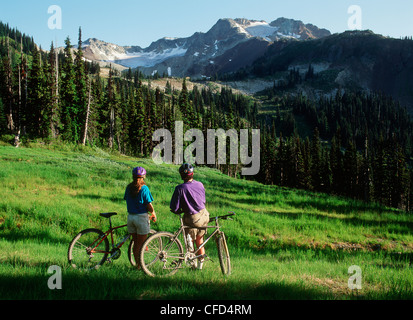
{"x": 207, "y": 258}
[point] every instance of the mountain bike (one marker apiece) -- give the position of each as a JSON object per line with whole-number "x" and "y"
{"x": 165, "y": 254}
{"x": 90, "y": 248}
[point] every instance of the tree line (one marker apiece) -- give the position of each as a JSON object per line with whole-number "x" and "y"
{"x": 360, "y": 145}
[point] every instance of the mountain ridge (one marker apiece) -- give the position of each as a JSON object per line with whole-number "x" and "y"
{"x": 194, "y": 55}
{"x": 361, "y": 60}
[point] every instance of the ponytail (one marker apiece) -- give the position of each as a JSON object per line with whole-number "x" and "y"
{"x": 136, "y": 186}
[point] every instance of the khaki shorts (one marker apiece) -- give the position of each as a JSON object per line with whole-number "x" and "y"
{"x": 199, "y": 220}
{"x": 139, "y": 224}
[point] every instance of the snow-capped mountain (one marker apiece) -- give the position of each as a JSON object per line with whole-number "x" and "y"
{"x": 229, "y": 45}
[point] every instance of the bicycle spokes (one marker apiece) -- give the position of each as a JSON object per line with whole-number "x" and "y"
{"x": 87, "y": 250}
{"x": 163, "y": 256}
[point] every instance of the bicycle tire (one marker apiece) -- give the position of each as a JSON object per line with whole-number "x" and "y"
{"x": 223, "y": 254}
{"x": 79, "y": 255}
{"x": 130, "y": 249}
{"x": 164, "y": 255}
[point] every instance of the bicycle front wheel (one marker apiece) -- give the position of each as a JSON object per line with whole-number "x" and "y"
{"x": 131, "y": 256}
{"x": 223, "y": 254}
{"x": 163, "y": 255}
{"x": 87, "y": 250}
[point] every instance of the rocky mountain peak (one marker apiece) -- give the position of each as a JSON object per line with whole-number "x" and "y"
{"x": 229, "y": 45}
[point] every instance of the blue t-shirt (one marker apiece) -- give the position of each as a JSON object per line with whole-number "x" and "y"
{"x": 137, "y": 205}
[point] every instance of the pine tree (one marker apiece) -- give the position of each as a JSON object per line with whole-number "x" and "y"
{"x": 316, "y": 164}
{"x": 303, "y": 170}
{"x": 7, "y": 87}
{"x": 336, "y": 164}
{"x": 35, "y": 116}
{"x": 381, "y": 173}
{"x": 138, "y": 123}
{"x": 81, "y": 91}
{"x": 52, "y": 99}
{"x": 350, "y": 169}
{"x": 189, "y": 117}
{"x": 398, "y": 176}
{"x": 68, "y": 97}
{"x": 3, "y": 120}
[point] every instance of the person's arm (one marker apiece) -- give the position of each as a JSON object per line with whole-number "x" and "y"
{"x": 151, "y": 210}
{"x": 175, "y": 205}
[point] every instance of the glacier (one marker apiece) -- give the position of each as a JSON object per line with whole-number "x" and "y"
{"x": 148, "y": 59}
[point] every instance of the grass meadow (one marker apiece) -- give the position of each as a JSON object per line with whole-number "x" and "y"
{"x": 284, "y": 244}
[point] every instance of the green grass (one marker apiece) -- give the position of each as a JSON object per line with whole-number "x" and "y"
{"x": 284, "y": 244}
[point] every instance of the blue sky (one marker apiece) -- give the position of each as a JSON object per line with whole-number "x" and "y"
{"x": 137, "y": 22}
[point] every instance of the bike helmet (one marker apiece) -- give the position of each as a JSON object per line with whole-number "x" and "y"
{"x": 186, "y": 169}
{"x": 139, "y": 172}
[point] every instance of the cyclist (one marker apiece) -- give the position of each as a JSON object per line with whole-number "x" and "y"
{"x": 139, "y": 203}
{"x": 189, "y": 198}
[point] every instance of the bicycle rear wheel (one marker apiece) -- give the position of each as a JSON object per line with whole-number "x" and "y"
{"x": 85, "y": 252}
{"x": 164, "y": 255}
{"x": 223, "y": 254}
{"x": 130, "y": 249}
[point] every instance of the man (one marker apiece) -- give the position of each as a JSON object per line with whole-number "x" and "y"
{"x": 189, "y": 198}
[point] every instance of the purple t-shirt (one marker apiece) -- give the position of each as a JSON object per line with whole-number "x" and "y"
{"x": 189, "y": 196}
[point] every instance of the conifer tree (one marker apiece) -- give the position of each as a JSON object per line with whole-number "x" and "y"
{"x": 7, "y": 87}
{"x": 336, "y": 164}
{"x": 316, "y": 164}
{"x": 81, "y": 90}
{"x": 35, "y": 116}
{"x": 52, "y": 98}
{"x": 350, "y": 168}
{"x": 68, "y": 97}
{"x": 186, "y": 108}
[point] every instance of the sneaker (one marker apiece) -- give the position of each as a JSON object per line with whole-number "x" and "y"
{"x": 200, "y": 264}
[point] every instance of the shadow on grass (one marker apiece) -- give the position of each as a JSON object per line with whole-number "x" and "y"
{"x": 126, "y": 284}
{"x": 43, "y": 236}
{"x": 102, "y": 286}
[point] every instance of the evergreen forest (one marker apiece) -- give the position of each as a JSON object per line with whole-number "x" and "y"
{"x": 353, "y": 144}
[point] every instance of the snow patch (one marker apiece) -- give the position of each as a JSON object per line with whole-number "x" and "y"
{"x": 260, "y": 29}
{"x": 147, "y": 59}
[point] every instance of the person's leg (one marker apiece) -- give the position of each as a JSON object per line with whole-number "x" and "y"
{"x": 138, "y": 240}
{"x": 199, "y": 241}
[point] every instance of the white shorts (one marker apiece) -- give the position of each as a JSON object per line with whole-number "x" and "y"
{"x": 139, "y": 224}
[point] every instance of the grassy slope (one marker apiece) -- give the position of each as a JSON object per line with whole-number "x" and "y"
{"x": 284, "y": 244}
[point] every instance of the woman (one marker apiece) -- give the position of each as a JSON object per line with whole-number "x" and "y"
{"x": 139, "y": 204}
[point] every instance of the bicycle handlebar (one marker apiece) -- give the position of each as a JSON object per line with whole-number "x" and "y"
{"x": 226, "y": 217}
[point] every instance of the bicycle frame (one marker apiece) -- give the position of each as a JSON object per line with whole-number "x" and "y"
{"x": 183, "y": 227}
{"x": 105, "y": 235}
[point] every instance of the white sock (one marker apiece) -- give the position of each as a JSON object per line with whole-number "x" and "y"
{"x": 200, "y": 264}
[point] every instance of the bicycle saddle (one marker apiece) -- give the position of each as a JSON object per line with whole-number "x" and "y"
{"x": 108, "y": 214}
